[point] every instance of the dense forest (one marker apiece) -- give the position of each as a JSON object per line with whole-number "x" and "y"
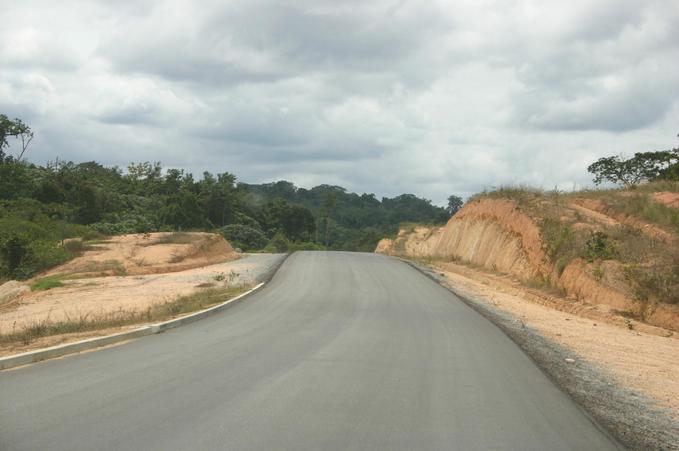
{"x": 42, "y": 206}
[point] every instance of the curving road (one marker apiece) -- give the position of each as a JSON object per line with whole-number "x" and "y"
{"x": 338, "y": 351}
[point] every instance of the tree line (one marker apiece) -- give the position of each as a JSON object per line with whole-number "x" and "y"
{"x": 42, "y": 206}
{"x": 642, "y": 167}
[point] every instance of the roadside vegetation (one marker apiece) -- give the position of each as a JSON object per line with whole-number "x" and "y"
{"x": 648, "y": 257}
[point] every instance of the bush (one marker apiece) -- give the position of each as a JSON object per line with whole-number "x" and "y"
{"x": 132, "y": 224}
{"x": 305, "y": 246}
{"x": 279, "y": 243}
{"x": 243, "y": 236}
{"x": 599, "y": 247}
{"x": 27, "y": 248}
{"x": 242, "y": 219}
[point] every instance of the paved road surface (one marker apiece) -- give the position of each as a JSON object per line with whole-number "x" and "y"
{"x": 339, "y": 351}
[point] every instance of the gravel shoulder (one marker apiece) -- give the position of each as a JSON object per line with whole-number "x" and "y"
{"x": 623, "y": 378}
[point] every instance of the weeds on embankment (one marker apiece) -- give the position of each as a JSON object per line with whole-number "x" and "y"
{"x": 647, "y": 261}
{"x": 88, "y": 322}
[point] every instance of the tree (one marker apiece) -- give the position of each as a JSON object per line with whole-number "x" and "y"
{"x": 14, "y": 129}
{"x": 244, "y": 237}
{"x": 295, "y": 221}
{"x": 219, "y": 197}
{"x": 672, "y": 171}
{"x": 632, "y": 171}
{"x": 327, "y": 208}
{"x": 454, "y": 204}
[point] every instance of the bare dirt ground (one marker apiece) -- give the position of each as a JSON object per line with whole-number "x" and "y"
{"x": 93, "y": 297}
{"x": 121, "y": 275}
{"x": 149, "y": 253}
{"x": 100, "y": 295}
{"x": 669, "y": 199}
{"x": 641, "y": 357}
{"x": 595, "y": 210}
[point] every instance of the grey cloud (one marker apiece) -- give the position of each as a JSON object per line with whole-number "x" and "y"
{"x": 381, "y": 96}
{"x": 268, "y": 41}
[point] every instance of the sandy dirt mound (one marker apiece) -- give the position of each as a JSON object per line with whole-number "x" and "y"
{"x": 10, "y": 290}
{"x": 667, "y": 198}
{"x": 384, "y": 246}
{"x": 100, "y": 295}
{"x": 149, "y": 254}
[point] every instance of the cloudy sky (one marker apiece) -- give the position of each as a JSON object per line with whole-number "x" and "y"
{"x": 424, "y": 97}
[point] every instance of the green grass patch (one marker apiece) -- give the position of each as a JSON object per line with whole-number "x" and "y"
{"x": 47, "y": 283}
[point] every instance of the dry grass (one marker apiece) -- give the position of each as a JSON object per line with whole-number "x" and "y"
{"x": 176, "y": 238}
{"x": 96, "y": 269}
{"x": 650, "y": 264}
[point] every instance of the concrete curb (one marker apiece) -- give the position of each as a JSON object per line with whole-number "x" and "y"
{"x": 97, "y": 342}
{"x": 70, "y": 348}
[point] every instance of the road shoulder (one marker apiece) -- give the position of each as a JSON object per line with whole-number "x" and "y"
{"x": 632, "y": 416}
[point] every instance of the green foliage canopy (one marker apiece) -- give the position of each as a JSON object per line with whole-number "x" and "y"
{"x": 641, "y": 167}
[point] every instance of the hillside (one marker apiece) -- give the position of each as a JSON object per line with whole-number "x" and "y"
{"x": 615, "y": 249}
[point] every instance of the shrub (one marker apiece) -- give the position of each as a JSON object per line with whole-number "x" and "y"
{"x": 306, "y": 246}
{"x": 599, "y": 247}
{"x": 558, "y": 238}
{"x": 27, "y": 248}
{"x": 176, "y": 238}
{"x": 243, "y": 236}
{"x": 279, "y": 243}
{"x": 242, "y": 219}
{"x": 127, "y": 225}
{"x": 76, "y": 246}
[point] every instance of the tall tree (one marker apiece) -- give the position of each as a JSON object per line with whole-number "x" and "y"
{"x": 632, "y": 171}
{"x": 454, "y": 204}
{"x": 327, "y": 209}
{"x": 14, "y": 129}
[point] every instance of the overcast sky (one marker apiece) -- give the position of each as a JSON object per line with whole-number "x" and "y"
{"x": 423, "y": 97}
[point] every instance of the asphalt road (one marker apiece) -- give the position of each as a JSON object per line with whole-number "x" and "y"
{"x": 338, "y": 351}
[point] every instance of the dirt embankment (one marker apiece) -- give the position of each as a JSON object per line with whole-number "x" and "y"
{"x": 493, "y": 234}
{"x": 667, "y": 198}
{"x": 150, "y": 253}
{"x": 498, "y": 235}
